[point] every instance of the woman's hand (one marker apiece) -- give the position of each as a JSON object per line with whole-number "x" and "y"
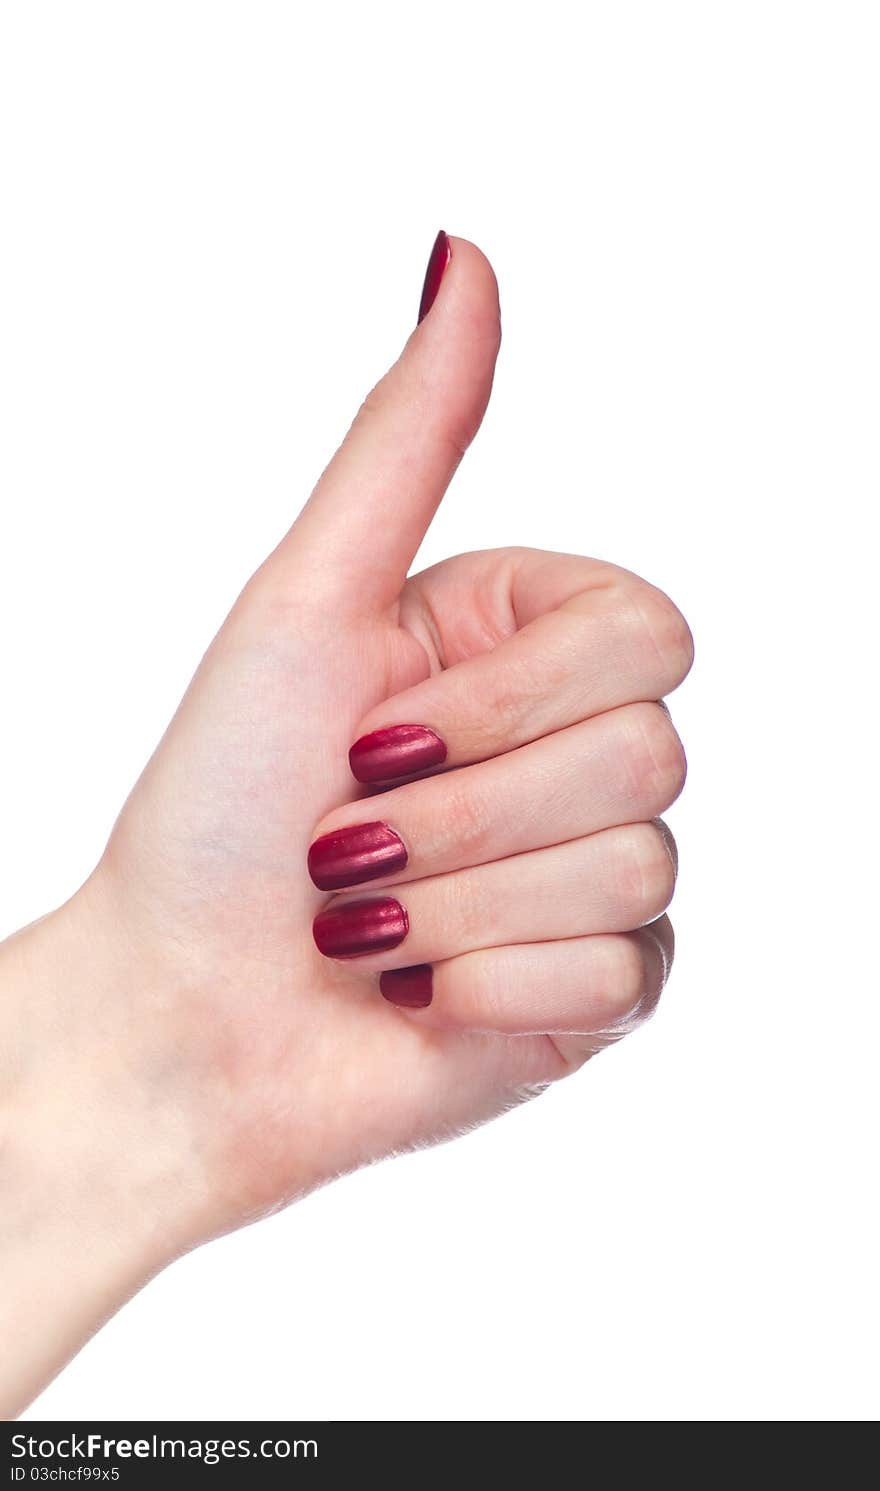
{"x": 219, "y": 1034}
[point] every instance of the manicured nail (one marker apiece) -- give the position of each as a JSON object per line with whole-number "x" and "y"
{"x": 441, "y": 254}
{"x": 360, "y": 927}
{"x": 396, "y": 752}
{"x": 411, "y": 988}
{"x": 349, "y": 856}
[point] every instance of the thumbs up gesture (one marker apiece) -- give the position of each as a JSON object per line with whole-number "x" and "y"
{"x": 397, "y": 861}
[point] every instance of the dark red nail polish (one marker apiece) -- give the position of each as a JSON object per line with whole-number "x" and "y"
{"x": 349, "y": 856}
{"x": 441, "y": 254}
{"x": 360, "y": 927}
{"x": 396, "y": 752}
{"x": 411, "y": 988}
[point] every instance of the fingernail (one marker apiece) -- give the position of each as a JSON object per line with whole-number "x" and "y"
{"x": 396, "y": 752}
{"x": 349, "y": 856}
{"x": 441, "y": 254}
{"x": 360, "y": 927}
{"x": 411, "y": 988}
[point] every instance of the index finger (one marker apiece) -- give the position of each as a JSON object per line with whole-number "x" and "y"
{"x": 613, "y": 643}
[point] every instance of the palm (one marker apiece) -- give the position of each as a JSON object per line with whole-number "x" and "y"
{"x": 216, "y": 834}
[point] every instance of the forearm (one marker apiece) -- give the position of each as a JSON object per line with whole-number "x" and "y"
{"x": 86, "y": 1203}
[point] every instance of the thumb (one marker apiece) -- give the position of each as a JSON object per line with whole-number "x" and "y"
{"x": 363, "y": 523}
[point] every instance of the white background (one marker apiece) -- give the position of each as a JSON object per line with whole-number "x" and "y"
{"x": 216, "y": 220}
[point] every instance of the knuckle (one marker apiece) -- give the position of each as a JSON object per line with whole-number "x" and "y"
{"x": 634, "y": 992}
{"x": 626, "y": 977}
{"x": 623, "y": 987}
{"x": 374, "y": 402}
{"x": 658, "y": 629}
{"x": 469, "y": 820}
{"x": 652, "y": 757}
{"x": 645, "y": 877}
{"x": 489, "y": 1004}
{"x": 515, "y": 692}
{"x": 473, "y": 912}
{"x": 513, "y": 699}
{"x": 457, "y": 437}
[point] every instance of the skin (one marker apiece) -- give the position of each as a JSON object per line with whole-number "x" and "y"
{"x": 176, "y": 1056}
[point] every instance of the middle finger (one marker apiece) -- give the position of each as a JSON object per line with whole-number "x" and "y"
{"x": 624, "y": 766}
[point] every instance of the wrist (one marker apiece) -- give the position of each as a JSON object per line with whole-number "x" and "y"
{"x": 97, "y": 1188}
